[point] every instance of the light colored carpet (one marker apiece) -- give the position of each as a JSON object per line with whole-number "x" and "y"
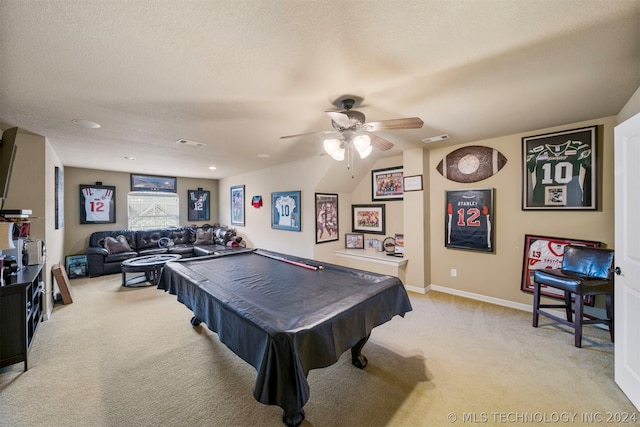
{"x": 129, "y": 357}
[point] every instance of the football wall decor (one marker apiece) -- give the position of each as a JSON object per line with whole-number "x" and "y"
{"x": 471, "y": 164}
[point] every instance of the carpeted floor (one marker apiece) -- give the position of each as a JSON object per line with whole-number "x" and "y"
{"x": 129, "y": 357}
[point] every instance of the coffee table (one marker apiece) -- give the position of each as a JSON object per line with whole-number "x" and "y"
{"x": 150, "y": 265}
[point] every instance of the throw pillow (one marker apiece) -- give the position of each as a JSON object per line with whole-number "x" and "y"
{"x": 117, "y": 245}
{"x": 204, "y": 237}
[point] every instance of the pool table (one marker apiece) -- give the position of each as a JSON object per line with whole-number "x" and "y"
{"x": 285, "y": 315}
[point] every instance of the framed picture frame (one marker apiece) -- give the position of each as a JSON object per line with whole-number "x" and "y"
{"x": 368, "y": 218}
{"x": 412, "y": 183}
{"x": 387, "y": 184}
{"x": 469, "y": 219}
{"x": 199, "y": 208}
{"x": 97, "y": 204}
{"x": 559, "y": 170}
{"x": 327, "y": 229}
{"x": 354, "y": 241}
{"x": 542, "y": 253}
{"x": 77, "y": 266}
{"x": 285, "y": 210}
{"x": 167, "y": 184}
{"x": 237, "y": 198}
{"x": 59, "y": 198}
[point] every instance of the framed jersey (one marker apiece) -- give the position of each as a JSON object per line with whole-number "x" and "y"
{"x": 559, "y": 170}
{"x": 285, "y": 210}
{"x": 199, "y": 205}
{"x": 469, "y": 219}
{"x": 97, "y": 204}
{"x": 546, "y": 253}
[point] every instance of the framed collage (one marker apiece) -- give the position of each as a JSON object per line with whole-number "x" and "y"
{"x": 387, "y": 184}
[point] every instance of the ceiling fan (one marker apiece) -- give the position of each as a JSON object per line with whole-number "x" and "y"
{"x": 352, "y": 131}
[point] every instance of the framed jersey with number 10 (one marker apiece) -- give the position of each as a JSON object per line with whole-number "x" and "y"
{"x": 97, "y": 204}
{"x": 560, "y": 170}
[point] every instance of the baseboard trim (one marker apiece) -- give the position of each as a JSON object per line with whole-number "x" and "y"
{"x": 479, "y": 297}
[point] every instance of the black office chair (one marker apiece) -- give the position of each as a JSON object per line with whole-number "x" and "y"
{"x": 585, "y": 271}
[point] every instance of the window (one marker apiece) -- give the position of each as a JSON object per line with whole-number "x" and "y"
{"x": 148, "y": 210}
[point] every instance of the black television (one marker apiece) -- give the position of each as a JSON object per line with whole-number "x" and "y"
{"x": 7, "y": 154}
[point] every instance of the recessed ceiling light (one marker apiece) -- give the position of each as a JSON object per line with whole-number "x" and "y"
{"x": 212, "y": 168}
{"x": 436, "y": 138}
{"x": 264, "y": 156}
{"x": 129, "y": 158}
{"x": 85, "y": 123}
{"x": 188, "y": 142}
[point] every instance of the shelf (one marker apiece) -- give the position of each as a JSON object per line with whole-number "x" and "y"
{"x": 372, "y": 256}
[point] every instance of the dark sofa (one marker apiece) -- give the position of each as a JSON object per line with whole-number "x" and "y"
{"x": 107, "y": 249}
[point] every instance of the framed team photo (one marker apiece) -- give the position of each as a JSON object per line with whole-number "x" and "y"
{"x": 546, "y": 253}
{"x": 387, "y": 184}
{"x": 285, "y": 210}
{"x": 237, "y": 205}
{"x": 97, "y": 204}
{"x": 326, "y": 218}
{"x": 199, "y": 205}
{"x": 559, "y": 170}
{"x": 469, "y": 219}
{"x": 368, "y": 219}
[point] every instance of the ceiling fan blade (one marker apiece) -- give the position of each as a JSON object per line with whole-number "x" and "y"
{"x": 408, "y": 123}
{"x": 326, "y": 132}
{"x": 379, "y": 142}
{"x": 341, "y": 119}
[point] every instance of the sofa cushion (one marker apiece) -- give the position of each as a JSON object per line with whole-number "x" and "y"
{"x": 116, "y": 245}
{"x": 204, "y": 236}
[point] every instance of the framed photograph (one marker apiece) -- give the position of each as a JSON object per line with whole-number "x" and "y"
{"x": 165, "y": 184}
{"x": 468, "y": 219}
{"x": 59, "y": 198}
{"x": 237, "y": 205}
{"x": 368, "y": 218}
{"x": 386, "y": 184}
{"x": 546, "y": 253}
{"x": 97, "y": 204}
{"x": 412, "y": 183}
{"x": 199, "y": 205}
{"x": 285, "y": 210}
{"x": 559, "y": 170}
{"x": 354, "y": 241}
{"x": 76, "y": 266}
{"x": 326, "y": 217}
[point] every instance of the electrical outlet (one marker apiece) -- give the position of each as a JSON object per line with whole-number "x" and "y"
{"x": 454, "y": 272}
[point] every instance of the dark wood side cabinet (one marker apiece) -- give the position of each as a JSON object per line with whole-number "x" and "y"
{"x": 20, "y": 314}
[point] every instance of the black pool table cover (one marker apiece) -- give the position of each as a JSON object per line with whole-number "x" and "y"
{"x": 283, "y": 319}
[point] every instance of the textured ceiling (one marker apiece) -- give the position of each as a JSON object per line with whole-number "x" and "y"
{"x": 237, "y": 75}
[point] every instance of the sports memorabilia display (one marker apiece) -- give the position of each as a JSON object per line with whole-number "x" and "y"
{"x": 468, "y": 219}
{"x": 97, "y": 204}
{"x": 471, "y": 164}
{"x": 546, "y": 253}
{"x": 386, "y": 184}
{"x": 559, "y": 170}
{"x": 285, "y": 210}
{"x": 326, "y": 217}
{"x": 237, "y": 205}
{"x": 199, "y": 205}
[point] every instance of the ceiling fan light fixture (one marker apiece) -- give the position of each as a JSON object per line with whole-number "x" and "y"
{"x": 362, "y": 144}
{"x": 364, "y": 153}
{"x": 334, "y": 148}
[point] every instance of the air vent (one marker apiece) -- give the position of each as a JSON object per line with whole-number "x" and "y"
{"x": 192, "y": 143}
{"x": 436, "y": 138}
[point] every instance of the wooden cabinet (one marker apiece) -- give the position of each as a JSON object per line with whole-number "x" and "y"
{"x": 20, "y": 314}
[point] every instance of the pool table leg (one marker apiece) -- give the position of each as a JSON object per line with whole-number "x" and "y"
{"x": 357, "y": 358}
{"x": 195, "y": 321}
{"x": 293, "y": 417}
